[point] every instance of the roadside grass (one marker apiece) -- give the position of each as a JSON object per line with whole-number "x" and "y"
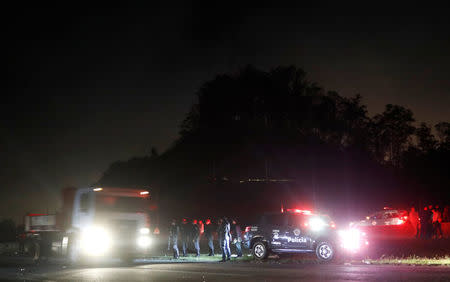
{"x": 411, "y": 260}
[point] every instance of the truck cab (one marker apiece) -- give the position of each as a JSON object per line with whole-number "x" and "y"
{"x": 113, "y": 222}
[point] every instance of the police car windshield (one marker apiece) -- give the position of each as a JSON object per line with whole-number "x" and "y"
{"x": 297, "y": 219}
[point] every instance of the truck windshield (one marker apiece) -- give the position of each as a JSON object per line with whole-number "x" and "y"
{"x": 121, "y": 204}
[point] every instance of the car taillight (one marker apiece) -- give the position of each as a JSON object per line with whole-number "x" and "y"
{"x": 248, "y": 228}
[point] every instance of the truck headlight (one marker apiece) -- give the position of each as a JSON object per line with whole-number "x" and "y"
{"x": 95, "y": 240}
{"x": 144, "y": 231}
{"x": 144, "y": 241}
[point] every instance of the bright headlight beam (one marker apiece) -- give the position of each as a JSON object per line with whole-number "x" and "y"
{"x": 144, "y": 231}
{"x": 143, "y": 241}
{"x": 95, "y": 240}
{"x": 350, "y": 239}
{"x": 316, "y": 223}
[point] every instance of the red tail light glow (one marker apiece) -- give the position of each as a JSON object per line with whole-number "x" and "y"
{"x": 248, "y": 228}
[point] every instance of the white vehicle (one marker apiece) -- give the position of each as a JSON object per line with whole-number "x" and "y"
{"x": 99, "y": 222}
{"x": 385, "y": 224}
{"x": 385, "y": 217}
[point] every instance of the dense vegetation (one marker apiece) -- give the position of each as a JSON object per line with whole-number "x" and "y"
{"x": 257, "y": 132}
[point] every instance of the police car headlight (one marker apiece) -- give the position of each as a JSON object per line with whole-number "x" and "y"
{"x": 317, "y": 224}
{"x": 144, "y": 241}
{"x": 144, "y": 231}
{"x": 95, "y": 240}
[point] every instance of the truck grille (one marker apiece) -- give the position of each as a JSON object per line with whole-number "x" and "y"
{"x": 124, "y": 228}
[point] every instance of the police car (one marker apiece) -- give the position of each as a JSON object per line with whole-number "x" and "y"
{"x": 299, "y": 231}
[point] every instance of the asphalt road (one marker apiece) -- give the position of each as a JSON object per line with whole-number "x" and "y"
{"x": 245, "y": 271}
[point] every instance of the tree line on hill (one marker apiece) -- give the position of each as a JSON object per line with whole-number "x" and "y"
{"x": 278, "y": 129}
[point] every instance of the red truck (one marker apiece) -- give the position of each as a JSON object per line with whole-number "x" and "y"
{"x": 97, "y": 222}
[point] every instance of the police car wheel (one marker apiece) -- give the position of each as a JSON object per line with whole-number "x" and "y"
{"x": 260, "y": 251}
{"x": 325, "y": 251}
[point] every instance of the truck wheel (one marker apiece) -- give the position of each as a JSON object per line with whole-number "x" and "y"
{"x": 36, "y": 251}
{"x": 325, "y": 251}
{"x": 260, "y": 251}
{"x": 73, "y": 253}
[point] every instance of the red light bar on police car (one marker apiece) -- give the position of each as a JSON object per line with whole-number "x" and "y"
{"x": 300, "y": 211}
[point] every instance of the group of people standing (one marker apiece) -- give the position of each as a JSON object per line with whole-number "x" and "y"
{"x": 427, "y": 221}
{"x": 190, "y": 233}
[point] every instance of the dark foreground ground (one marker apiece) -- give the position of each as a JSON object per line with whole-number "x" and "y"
{"x": 287, "y": 268}
{"x": 408, "y": 247}
{"x": 230, "y": 272}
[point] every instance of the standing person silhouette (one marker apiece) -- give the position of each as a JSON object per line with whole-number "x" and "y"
{"x": 224, "y": 238}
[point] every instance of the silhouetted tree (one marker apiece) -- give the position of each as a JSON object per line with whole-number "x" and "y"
{"x": 391, "y": 133}
{"x": 280, "y": 103}
{"x": 352, "y": 121}
{"x": 443, "y": 134}
{"x": 425, "y": 139}
{"x": 278, "y": 124}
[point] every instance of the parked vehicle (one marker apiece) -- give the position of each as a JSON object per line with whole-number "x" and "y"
{"x": 296, "y": 231}
{"x": 386, "y": 223}
{"x": 97, "y": 222}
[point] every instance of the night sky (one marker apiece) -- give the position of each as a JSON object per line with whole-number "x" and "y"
{"x": 88, "y": 86}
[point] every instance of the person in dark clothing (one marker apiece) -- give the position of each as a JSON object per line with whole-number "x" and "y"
{"x": 237, "y": 235}
{"x": 184, "y": 232}
{"x": 422, "y": 222}
{"x": 425, "y": 223}
{"x": 430, "y": 221}
{"x": 44, "y": 247}
{"x": 446, "y": 214}
{"x": 174, "y": 232}
{"x": 414, "y": 220}
{"x": 209, "y": 236}
{"x": 437, "y": 219}
{"x": 224, "y": 238}
{"x": 195, "y": 236}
